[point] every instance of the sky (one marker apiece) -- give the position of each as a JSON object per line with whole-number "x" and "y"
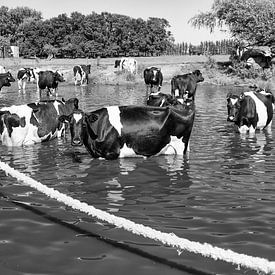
{"x": 177, "y": 12}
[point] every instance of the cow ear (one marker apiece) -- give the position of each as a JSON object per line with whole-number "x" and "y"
{"x": 242, "y": 95}
{"x": 63, "y": 118}
{"x": 92, "y": 117}
{"x": 76, "y": 101}
{"x": 228, "y": 95}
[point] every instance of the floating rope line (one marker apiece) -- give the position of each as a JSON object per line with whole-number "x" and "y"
{"x": 169, "y": 239}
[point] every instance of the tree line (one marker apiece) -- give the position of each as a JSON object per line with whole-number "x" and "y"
{"x": 92, "y": 35}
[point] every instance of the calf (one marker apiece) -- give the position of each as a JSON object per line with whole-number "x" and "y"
{"x": 185, "y": 86}
{"x": 127, "y": 131}
{"x": 127, "y": 64}
{"x": 6, "y": 79}
{"x": 81, "y": 73}
{"x": 35, "y": 122}
{"x": 153, "y": 78}
{"x": 25, "y": 75}
{"x": 251, "y": 111}
{"x": 49, "y": 80}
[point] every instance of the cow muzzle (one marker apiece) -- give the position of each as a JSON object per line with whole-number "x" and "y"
{"x": 231, "y": 118}
{"x": 77, "y": 142}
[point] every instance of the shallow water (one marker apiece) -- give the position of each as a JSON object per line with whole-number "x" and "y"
{"x": 223, "y": 194}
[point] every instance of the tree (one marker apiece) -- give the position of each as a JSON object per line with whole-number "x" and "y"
{"x": 250, "y": 21}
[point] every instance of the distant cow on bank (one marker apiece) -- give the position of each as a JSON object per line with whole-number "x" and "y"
{"x": 153, "y": 78}
{"x": 127, "y": 64}
{"x": 33, "y": 123}
{"x": 6, "y": 79}
{"x": 25, "y": 75}
{"x": 81, "y": 73}
{"x": 185, "y": 86}
{"x": 129, "y": 131}
{"x": 251, "y": 110}
{"x": 49, "y": 80}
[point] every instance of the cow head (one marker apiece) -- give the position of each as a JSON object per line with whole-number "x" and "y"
{"x": 80, "y": 127}
{"x": 7, "y": 78}
{"x": 88, "y": 70}
{"x": 233, "y": 106}
{"x": 198, "y": 75}
{"x": 117, "y": 63}
{"x": 58, "y": 76}
{"x": 10, "y": 121}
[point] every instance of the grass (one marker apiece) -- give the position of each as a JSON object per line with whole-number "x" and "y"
{"x": 103, "y": 71}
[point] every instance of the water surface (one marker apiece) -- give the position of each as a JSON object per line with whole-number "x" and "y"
{"x": 222, "y": 194}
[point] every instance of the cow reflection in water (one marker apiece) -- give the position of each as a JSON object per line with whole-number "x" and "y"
{"x": 248, "y": 151}
{"x": 118, "y": 182}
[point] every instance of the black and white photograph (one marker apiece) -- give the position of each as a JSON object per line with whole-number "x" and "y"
{"x": 136, "y": 137}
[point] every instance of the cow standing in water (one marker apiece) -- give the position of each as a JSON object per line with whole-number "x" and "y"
{"x": 127, "y": 64}
{"x": 35, "y": 122}
{"x": 81, "y": 73}
{"x": 130, "y": 131}
{"x": 251, "y": 110}
{"x": 49, "y": 80}
{"x": 153, "y": 78}
{"x": 25, "y": 75}
{"x": 185, "y": 86}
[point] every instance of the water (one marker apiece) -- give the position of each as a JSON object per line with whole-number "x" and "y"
{"x": 223, "y": 194}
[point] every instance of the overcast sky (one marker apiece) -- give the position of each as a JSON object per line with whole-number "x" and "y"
{"x": 177, "y": 12}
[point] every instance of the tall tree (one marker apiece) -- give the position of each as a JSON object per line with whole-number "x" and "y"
{"x": 251, "y": 21}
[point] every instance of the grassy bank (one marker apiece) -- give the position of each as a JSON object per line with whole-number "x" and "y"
{"x": 103, "y": 71}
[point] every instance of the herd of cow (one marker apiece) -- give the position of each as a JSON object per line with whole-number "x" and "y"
{"x": 162, "y": 126}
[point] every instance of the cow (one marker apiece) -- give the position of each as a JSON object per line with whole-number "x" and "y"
{"x": 34, "y": 122}
{"x": 49, "y": 80}
{"x": 185, "y": 86}
{"x": 6, "y": 79}
{"x": 131, "y": 131}
{"x": 153, "y": 78}
{"x": 251, "y": 110}
{"x": 81, "y": 73}
{"x": 162, "y": 100}
{"x": 127, "y": 64}
{"x": 24, "y": 75}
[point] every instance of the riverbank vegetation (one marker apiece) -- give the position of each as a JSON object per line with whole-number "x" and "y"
{"x": 62, "y": 41}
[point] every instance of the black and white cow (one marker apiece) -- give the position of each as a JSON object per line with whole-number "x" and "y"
{"x": 185, "y": 86}
{"x": 153, "y": 78}
{"x": 49, "y": 80}
{"x": 251, "y": 110}
{"x": 6, "y": 79}
{"x": 129, "y": 131}
{"x": 128, "y": 64}
{"x": 81, "y": 73}
{"x": 25, "y": 75}
{"x": 33, "y": 123}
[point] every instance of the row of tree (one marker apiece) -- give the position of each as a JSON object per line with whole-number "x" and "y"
{"x": 81, "y": 35}
{"x": 205, "y": 48}
{"x": 248, "y": 22}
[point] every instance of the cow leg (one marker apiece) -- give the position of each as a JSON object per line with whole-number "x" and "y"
{"x": 24, "y": 85}
{"x": 19, "y": 85}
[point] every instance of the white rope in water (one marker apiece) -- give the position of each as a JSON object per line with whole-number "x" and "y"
{"x": 170, "y": 239}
